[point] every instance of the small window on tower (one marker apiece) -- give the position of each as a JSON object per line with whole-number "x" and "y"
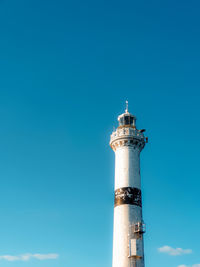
{"x": 121, "y": 121}
{"x": 127, "y": 120}
{"x": 131, "y": 120}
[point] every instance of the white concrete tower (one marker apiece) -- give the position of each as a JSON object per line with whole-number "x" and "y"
{"x": 127, "y": 142}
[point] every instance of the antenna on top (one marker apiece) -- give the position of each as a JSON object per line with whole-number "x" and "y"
{"x": 126, "y": 110}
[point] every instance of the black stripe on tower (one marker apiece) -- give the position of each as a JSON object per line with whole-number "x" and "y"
{"x": 128, "y": 195}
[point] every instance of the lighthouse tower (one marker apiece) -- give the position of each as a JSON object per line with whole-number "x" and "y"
{"x": 127, "y": 142}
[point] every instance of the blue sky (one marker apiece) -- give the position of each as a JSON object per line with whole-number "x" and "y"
{"x": 66, "y": 69}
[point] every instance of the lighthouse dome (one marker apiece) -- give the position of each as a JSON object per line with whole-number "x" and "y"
{"x": 127, "y": 119}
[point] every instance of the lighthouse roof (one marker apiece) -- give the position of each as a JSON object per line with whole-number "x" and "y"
{"x": 126, "y": 119}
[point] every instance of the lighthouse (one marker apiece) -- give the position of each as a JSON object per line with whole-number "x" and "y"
{"x": 127, "y": 142}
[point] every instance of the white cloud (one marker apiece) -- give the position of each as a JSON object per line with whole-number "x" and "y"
{"x": 28, "y": 256}
{"x": 195, "y": 265}
{"x": 175, "y": 252}
{"x": 45, "y": 256}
